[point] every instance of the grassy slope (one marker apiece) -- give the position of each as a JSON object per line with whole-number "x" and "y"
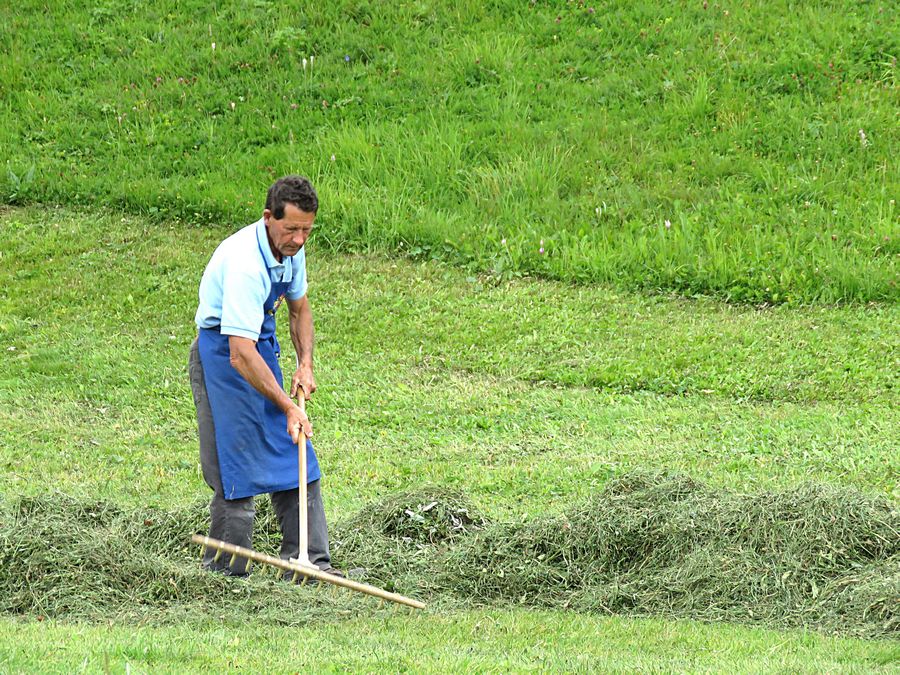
{"x": 455, "y": 127}
{"x": 414, "y": 388}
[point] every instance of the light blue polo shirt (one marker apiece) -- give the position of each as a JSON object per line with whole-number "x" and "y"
{"x": 238, "y": 279}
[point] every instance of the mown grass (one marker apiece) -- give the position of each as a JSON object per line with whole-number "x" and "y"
{"x": 743, "y": 151}
{"x": 810, "y": 556}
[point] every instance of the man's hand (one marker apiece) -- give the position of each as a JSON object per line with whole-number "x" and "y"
{"x": 303, "y": 381}
{"x": 297, "y": 421}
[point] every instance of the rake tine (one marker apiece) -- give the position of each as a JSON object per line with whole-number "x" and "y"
{"x": 218, "y": 555}
{"x": 202, "y": 551}
{"x": 303, "y": 582}
{"x": 233, "y": 558}
{"x": 294, "y": 578}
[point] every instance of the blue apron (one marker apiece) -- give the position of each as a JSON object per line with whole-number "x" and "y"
{"x": 256, "y": 454}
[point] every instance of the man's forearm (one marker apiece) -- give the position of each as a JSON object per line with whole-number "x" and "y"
{"x": 303, "y": 335}
{"x": 253, "y": 368}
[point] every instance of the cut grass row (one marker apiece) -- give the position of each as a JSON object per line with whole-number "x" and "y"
{"x": 739, "y": 151}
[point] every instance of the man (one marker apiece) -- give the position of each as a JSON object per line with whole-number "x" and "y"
{"x": 249, "y": 427}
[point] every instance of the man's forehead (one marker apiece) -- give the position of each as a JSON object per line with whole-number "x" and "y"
{"x": 296, "y": 216}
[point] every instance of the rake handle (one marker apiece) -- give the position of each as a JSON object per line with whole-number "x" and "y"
{"x": 303, "y": 553}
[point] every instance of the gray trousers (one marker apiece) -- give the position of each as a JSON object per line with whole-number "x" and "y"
{"x": 232, "y": 519}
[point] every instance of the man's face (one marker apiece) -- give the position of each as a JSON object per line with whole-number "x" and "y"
{"x": 287, "y": 235}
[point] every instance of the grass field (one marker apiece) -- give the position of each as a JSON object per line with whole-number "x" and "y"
{"x": 476, "y": 641}
{"x": 420, "y": 361}
{"x": 559, "y": 243}
{"x": 745, "y": 151}
{"x": 426, "y": 373}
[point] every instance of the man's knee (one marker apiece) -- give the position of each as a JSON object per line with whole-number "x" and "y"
{"x": 240, "y": 508}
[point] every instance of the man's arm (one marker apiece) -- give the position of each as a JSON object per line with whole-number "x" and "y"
{"x": 303, "y": 337}
{"x": 247, "y": 361}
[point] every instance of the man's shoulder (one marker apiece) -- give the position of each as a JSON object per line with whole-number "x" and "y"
{"x": 240, "y": 250}
{"x": 244, "y": 236}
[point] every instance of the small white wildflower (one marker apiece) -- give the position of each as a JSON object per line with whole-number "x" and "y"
{"x": 863, "y": 139}
{"x": 668, "y": 224}
{"x": 304, "y": 63}
{"x": 214, "y": 46}
{"x": 332, "y": 158}
{"x": 503, "y": 241}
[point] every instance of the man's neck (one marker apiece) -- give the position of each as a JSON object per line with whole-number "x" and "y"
{"x": 272, "y": 248}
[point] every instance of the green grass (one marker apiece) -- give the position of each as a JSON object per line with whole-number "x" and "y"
{"x": 764, "y": 133}
{"x": 485, "y": 642}
{"x": 526, "y": 395}
{"x": 681, "y": 154}
{"x": 552, "y": 388}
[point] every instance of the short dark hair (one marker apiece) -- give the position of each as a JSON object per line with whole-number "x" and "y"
{"x": 296, "y": 190}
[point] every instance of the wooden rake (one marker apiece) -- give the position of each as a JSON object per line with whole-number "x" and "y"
{"x": 301, "y": 566}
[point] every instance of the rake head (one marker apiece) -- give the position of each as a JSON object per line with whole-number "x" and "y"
{"x": 301, "y": 569}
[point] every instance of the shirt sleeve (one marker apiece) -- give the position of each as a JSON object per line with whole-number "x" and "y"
{"x": 298, "y": 286}
{"x": 243, "y": 298}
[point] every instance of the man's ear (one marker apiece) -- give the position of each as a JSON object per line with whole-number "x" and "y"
{"x": 267, "y": 214}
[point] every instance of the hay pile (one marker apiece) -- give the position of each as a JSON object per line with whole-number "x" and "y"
{"x": 400, "y": 541}
{"x": 65, "y": 558}
{"x": 815, "y": 556}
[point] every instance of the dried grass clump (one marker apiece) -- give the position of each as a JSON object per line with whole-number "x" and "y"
{"x": 814, "y": 556}
{"x": 428, "y": 515}
{"x": 398, "y": 539}
{"x": 65, "y": 558}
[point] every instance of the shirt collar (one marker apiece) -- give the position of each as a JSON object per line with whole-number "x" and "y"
{"x": 286, "y": 266}
{"x": 263, "y": 240}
